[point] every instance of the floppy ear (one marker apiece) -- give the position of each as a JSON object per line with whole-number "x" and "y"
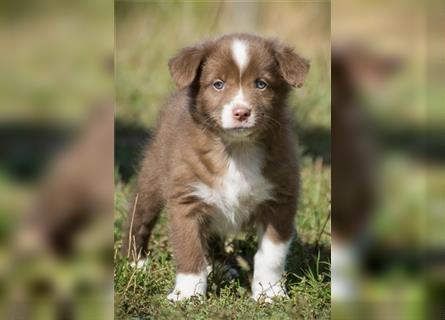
{"x": 293, "y": 68}
{"x": 184, "y": 66}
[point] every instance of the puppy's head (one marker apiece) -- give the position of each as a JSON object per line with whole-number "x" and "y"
{"x": 240, "y": 82}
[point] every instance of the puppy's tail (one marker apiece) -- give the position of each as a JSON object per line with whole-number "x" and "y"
{"x": 142, "y": 218}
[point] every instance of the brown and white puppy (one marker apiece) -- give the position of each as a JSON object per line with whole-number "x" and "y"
{"x": 223, "y": 157}
{"x": 358, "y": 72}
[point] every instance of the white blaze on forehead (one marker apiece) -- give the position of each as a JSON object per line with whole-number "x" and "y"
{"x": 241, "y": 58}
{"x": 239, "y": 98}
{"x": 240, "y": 53}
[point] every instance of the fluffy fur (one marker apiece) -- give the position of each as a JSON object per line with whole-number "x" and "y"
{"x": 223, "y": 158}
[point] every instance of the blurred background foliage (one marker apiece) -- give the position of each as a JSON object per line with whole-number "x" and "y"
{"x": 404, "y": 245}
{"x": 56, "y": 61}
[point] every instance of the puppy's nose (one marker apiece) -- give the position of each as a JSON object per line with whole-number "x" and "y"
{"x": 241, "y": 113}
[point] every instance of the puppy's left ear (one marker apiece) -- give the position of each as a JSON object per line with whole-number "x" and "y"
{"x": 293, "y": 68}
{"x": 184, "y": 66}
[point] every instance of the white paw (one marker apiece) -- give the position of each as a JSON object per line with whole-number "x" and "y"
{"x": 189, "y": 285}
{"x": 270, "y": 261}
{"x": 267, "y": 293}
{"x": 344, "y": 271}
{"x": 343, "y": 289}
{"x": 139, "y": 264}
{"x": 177, "y": 295}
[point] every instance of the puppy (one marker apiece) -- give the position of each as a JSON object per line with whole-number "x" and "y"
{"x": 223, "y": 157}
{"x": 356, "y": 70}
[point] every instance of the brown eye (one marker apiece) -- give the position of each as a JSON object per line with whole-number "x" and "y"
{"x": 218, "y": 85}
{"x": 260, "y": 84}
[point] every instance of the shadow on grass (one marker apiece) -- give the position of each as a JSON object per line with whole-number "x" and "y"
{"x": 308, "y": 257}
{"x": 303, "y": 258}
{"x": 130, "y": 140}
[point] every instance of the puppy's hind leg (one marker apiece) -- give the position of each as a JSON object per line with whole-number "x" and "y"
{"x": 142, "y": 217}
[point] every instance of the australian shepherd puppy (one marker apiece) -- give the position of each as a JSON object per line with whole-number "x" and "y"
{"x": 223, "y": 157}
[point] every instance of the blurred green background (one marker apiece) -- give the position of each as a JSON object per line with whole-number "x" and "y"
{"x": 53, "y": 71}
{"x": 401, "y": 277}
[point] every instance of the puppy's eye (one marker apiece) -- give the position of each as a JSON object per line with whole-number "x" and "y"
{"x": 218, "y": 85}
{"x": 261, "y": 84}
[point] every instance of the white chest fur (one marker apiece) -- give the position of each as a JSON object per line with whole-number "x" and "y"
{"x": 238, "y": 191}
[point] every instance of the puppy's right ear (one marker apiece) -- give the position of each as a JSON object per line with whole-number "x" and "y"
{"x": 184, "y": 66}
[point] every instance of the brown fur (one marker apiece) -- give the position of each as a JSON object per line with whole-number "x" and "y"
{"x": 190, "y": 145}
{"x": 78, "y": 188}
{"x": 354, "y": 152}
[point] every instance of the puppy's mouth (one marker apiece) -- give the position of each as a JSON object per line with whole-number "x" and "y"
{"x": 240, "y": 131}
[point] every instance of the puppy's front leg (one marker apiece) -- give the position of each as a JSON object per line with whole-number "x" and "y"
{"x": 187, "y": 239}
{"x": 270, "y": 259}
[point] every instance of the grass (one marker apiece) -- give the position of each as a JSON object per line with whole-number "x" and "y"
{"x": 141, "y": 293}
